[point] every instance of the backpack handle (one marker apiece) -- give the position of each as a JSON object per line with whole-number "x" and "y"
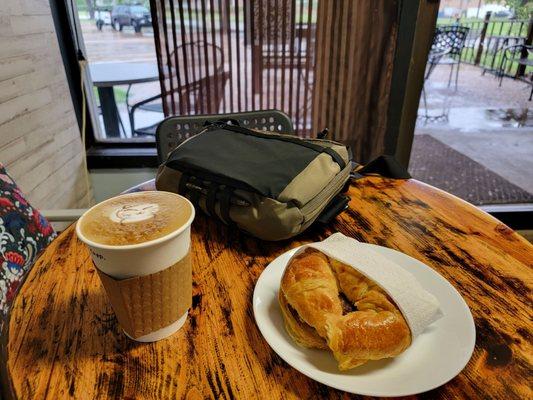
{"x": 224, "y": 121}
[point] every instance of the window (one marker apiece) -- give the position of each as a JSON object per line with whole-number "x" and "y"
{"x": 473, "y": 134}
{"x": 118, "y": 45}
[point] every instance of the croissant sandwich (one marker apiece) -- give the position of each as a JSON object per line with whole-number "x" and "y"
{"x": 329, "y": 305}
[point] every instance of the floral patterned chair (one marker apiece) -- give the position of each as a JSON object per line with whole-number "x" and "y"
{"x": 24, "y": 232}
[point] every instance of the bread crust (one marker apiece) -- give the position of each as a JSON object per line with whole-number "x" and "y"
{"x": 311, "y": 289}
{"x": 311, "y": 285}
{"x": 299, "y": 331}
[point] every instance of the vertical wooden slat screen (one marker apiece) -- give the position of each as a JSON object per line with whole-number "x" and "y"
{"x": 326, "y": 63}
{"x": 355, "y": 53}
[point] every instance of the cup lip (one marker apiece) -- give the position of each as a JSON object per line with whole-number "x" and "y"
{"x": 136, "y": 245}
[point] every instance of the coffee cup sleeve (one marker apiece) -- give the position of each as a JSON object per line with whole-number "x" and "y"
{"x": 145, "y": 304}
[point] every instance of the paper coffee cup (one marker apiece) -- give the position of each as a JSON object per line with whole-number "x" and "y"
{"x": 149, "y": 284}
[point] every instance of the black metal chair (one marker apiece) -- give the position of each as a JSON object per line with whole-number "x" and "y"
{"x": 194, "y": 98}
{"x": 472, "y": 39}
{"x": 521, "y": 54}
{"x": 448, "y": 43}
{"x": 435, "y": 56}
{"x": 196, "y": 84}
{"x": 174, "y": 130}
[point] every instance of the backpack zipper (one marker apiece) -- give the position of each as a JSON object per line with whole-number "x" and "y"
{"x": 185, "y": 141}
{"x": 321, "y": 200}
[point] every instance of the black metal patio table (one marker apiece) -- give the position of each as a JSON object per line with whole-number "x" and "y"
{"x": 107, "y": 75}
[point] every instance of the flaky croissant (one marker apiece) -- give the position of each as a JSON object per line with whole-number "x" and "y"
{"x": 310, "y": 300}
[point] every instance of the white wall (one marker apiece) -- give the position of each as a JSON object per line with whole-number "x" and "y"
{"x": 110, "y": 182}
{"x": 40, "y": 142}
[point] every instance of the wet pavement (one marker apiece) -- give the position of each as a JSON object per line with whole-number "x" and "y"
{"x": 110, "y": 45}
{"x": 489, "y": 124}
{"x": 471, "y": 119}
{"x": 476, "y": 90}
{"x": 441, "y": 165}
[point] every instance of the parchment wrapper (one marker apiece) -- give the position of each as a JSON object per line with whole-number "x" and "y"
{"x": 419, "y": 307}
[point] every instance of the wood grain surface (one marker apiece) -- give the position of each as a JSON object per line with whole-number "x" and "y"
{"x": 64, "y": 341}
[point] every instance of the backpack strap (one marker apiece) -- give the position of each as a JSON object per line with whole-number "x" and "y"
{"x": 182, "y": 186}
{"x": 211, "y": 199}
{"x": 337, "y": 205}
{"x": 223, "y": 121}
{"x": 385, "y": 165}
{"x": 225, "y": 203}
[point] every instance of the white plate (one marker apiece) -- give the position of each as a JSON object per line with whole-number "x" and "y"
{"x": 434, "y": 357}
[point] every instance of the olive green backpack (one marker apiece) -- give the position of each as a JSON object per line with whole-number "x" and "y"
{"x": 271, "y": 185}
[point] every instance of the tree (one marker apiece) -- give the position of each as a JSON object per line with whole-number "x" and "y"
{"x": 90, "y": 8}
{"x": 522, "y": 8}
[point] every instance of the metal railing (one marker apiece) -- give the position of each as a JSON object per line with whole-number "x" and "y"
{"x": 488, "y": 37}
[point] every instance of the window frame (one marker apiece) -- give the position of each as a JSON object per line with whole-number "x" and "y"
{"x": 99, "y": 154}
{"x": 144, "y": 155}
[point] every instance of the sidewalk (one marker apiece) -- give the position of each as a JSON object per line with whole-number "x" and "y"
{"x": 485, "y": 130}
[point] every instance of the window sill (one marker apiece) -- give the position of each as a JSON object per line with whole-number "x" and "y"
{"x": 515, "y": 216}
{"x": 121, "y": 157}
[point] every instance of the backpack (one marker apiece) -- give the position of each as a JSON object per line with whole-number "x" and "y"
{"x": 270, "y": 185}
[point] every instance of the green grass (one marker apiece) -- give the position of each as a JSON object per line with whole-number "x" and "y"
{"x": 468, "y": 55}
{"x": 120, "y": 95}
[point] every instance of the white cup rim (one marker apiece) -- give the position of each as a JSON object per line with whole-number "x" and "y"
{"x": 136, "y": 245}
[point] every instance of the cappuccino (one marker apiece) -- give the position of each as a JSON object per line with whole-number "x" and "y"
{"x": 135, "y": 218}
{"x": 140, "y": 244}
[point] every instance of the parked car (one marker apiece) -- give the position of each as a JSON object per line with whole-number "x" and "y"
{"x": 135, "y": 16}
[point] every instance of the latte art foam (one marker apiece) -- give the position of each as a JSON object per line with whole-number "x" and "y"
{"x": 133, "y": 213}
{"x": 135, "y": 218}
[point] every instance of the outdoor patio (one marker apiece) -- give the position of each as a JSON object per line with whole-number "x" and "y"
{"x": 109, "y": 45}
{"x": 478, "y": 137}
{"x": 476, "y": 142}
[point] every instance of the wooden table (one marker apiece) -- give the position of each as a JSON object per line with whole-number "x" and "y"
{"x": 64, "y": 340}
{"x": 107, "y": 75}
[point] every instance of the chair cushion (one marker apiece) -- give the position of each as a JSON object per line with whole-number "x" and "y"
{"x": 24, "y": 232}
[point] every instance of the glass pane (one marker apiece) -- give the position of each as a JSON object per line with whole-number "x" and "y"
{"x": 473, "y": 135}
{"x": 119, "y": 47}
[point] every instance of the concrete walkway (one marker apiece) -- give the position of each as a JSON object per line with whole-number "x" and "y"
{"x": 492, "y": 125}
